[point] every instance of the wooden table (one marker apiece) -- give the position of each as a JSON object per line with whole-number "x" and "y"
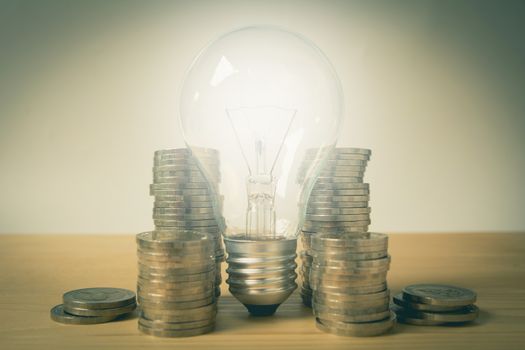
{"x": 36, "y": 269}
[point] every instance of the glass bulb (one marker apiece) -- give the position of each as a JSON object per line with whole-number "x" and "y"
{"x": 262, "y": 97}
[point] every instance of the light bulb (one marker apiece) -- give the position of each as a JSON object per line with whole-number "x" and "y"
{"x": 262, "y": 97}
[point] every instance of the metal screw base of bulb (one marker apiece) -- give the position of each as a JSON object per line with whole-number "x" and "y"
{"x": 261, "y": 274}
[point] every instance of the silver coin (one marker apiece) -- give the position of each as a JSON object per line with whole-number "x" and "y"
{"x": 341, "y": 186}
{"x": 176, "y": 333}
{"x": 356, "y": 231}
{"x": 178, "y": 192}
{"x": 178, "y": 278}
{"x": 398, "y": 300}
{"x": 156, "y": 299}
{"x": 335, "y": 205}
{"x": 172, "y": 239}
{"x": 338, "y": 211}
{"x": 465, "y": 314}
{"x": 181, "y": 180}
{"x": 58, "y": 314}
{"x": 175, "y": 325}
{"x": 183, "y": 205}
{"x": 339, "y": 198}
{"x": 183, "y": 217}
{"x": 356, "y": 290}
{"x": 342, "y": 174}
{"x": 381, "y": 294}
{"x": 347, "y": 241}
{"x": 357, "y": 329}
{"x": 184, "y": 211}
{"x": 350, "y": 312}
{"x": 98, "y": 298}
{"x": 334, "y": 224}
{"x": 331, "y": 179}
{"x": 342, "y": 270}
{"x": 206, "y": 310}
{"x": 184, "y": 198}
{"x": 186, "y": 316}
{"x": 364, "y": 192}
{"x": 172, "y": 304}
{"x": 331, "y": 218}
{"x": 344, "y": 263}
{"x": 343, "y": 150}
{"x": 321, "y": 256}
{"x": 439, "y": 294}
{"x": 110, "y": 312}
{"x": 185, "y": 223}
{"x": 147, "y": 285}
{"x": 372, "y": 317}
{"x": 331, "y": 302}
{"x": 178, "y": 187}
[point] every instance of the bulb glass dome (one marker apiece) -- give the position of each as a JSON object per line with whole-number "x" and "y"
{"x": 265, "y": 98}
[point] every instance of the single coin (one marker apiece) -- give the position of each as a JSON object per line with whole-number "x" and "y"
{"x": 366, "y": 289}
{"x": 312, "y": 205}
{"x": 331, "y": 218}
{"x": 439, "y": 294}
{"x": 176, "y": 333}
{"x": 316, "y": 192}
{"x": 352, "y": 150}
{"x": 184, "y": 211}
{"x": 172, "y": 239}
{"x": 59, "y": 315}
{"x": 357, "y": 329}
{"x": 175, "y": 325}
{"x": 326, "y": 240}
{"x": 110, "y": 312}
{"x": 398, "y": 300}
{"x": 98, "y": 298}
{"x": 373, "y": 317}
{"x": 340, "y": 186}
{"x": 337, "y": 224}
{"x": 466, "y": 314}
{"x": 332, "y": 179}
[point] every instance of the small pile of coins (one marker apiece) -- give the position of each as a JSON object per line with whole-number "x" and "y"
{"x": 176, "y": 283}
{"x": 435, "y": 304}
{"x": 185, "y": 198}
{"x": 348, "y": 278}
{"x": 94, "y": 305}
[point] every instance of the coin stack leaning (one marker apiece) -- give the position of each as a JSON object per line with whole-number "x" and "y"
{"x": 435, "y": 304}
{"x": 94, "y": 305}
{"x": 186, "y": 198}
{"x": 176, "y": 283}
{"x": 338, "y": 202}
{"x": 348, "y": 278}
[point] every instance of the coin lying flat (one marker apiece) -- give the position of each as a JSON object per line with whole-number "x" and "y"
{"x": 357, "y": 329}
{"x": 110, "y": 312}
{"x": 59, "y": 315}
{"x": 98, "y": 298}
{"x": 176, "y": 333}
{"x": 466, "y": 314}
{"x": 439, "y": 294}
{"x": 398, "y": 300}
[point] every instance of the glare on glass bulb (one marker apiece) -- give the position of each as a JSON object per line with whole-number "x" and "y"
{"x": 262, "y": 97}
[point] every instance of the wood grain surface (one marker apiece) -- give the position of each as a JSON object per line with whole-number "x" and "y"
{"x": 36, "y": 269}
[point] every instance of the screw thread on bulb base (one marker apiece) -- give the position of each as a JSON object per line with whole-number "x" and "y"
{"x": 261, "y": 274}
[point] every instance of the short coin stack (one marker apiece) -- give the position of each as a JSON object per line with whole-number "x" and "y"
{"x": 348, "y": 278}
{"x": 435, "y": 304}
{"x": 185, "y": 198}
{"x": 176, "y": 283}
{"x": 338, "y": 202}
{"x": 94, "y": 305}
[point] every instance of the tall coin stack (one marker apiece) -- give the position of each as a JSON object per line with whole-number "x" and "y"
{"x": 176, "y": 283}
{"x": 338, "y": 202}
{"x": 348, "y": 277}
{"x": 185, "y": 198}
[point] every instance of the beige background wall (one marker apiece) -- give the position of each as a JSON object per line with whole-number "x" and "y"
{"x": 88, "y": 90}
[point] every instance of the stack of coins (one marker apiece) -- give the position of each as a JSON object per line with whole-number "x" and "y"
{"x": 435, "y": 304}
{"x": 338, "y": 202}
{"x": 176, "y": 283}
{"x": 186, "y": 198}
{"x": 348, "y": 277}
{"x": 94, "y": 305}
